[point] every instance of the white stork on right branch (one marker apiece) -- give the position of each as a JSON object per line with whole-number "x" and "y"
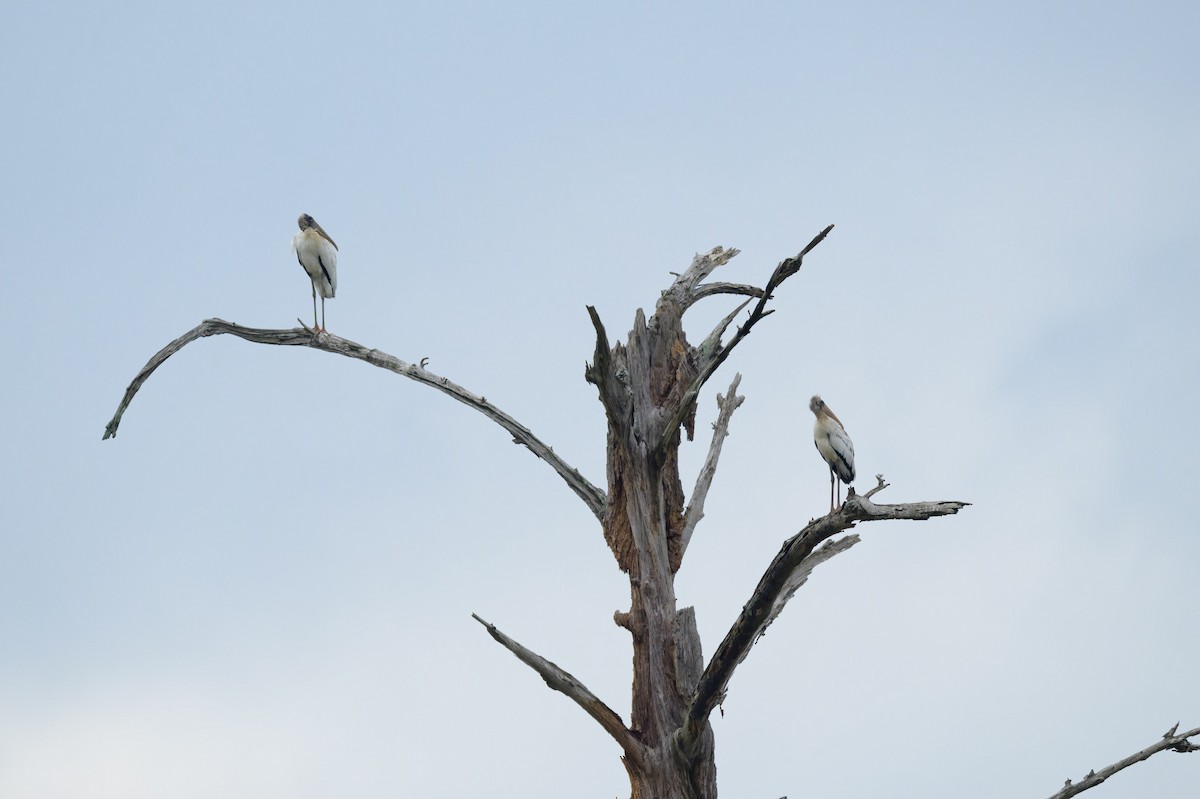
{"x": 834, "y": 445}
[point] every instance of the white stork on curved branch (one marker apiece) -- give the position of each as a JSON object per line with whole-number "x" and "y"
{"x": 317, "y": 253}
{"x": 834, "y": 445}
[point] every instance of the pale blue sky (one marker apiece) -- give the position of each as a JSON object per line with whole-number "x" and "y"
{"x": 263, "y": 586}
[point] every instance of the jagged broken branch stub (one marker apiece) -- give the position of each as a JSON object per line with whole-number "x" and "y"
{"x": 592, "y": 496}
{"x": 598, "y": 372}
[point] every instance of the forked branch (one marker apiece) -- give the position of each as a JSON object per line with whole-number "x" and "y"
{"x": 689, "y": 288}
{"x": 576, "y": 691}
{"x": 1171, "y": 741}
{"x": 799, "y": 577}
{"x": 710, "y": 345}
{"x": 717, "y": 354}
{"x": 302, "y": 337}
{"x": 778, "y": 583}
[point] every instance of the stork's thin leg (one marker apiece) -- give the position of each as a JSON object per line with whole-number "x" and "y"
{"x": 323, "y": 330}
{"x": 314, "y": 307}
{"x": 831, "y": 489}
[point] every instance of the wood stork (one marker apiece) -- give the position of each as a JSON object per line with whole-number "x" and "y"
{"x": 317, "y": 253}
{"x": 834, "y": 445}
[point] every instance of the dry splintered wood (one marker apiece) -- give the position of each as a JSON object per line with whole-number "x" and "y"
{"x": 303, "y": 337}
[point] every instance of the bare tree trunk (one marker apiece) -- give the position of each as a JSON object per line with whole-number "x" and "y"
{"x": 639, "y": 384}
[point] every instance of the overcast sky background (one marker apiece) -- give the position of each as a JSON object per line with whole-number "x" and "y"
{"x": 263, "y": 586}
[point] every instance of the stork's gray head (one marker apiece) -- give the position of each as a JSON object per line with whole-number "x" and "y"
{"x": 816, "y": 404}
{"x": 305, "y": 221}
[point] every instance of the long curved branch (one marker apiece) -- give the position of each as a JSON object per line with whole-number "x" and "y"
{"x": 777, "y": 583}
{"x": 565, "y": 683}
{"x": 1177, "y": 743}
{"x": 711, "y": 289}
{"x": 592, "y": 496}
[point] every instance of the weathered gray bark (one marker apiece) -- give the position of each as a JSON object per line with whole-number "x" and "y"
{"x": 1171, "y": 741}
{"x": 303, "y": 337}
{"x": 648, "y": 386}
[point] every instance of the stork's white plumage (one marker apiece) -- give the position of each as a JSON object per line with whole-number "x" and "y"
{"x": 317, "y": 253}
{"x": 834, "y": 445}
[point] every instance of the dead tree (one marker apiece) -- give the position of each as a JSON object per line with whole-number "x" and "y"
{"x": 649, "y": 386}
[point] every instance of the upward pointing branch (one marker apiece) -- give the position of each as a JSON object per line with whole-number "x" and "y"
{"x": 727, "y": 404}
{"x": 598, "y": 372}
{"x": 592, "y": 496}
{"x": 786, "y": 268}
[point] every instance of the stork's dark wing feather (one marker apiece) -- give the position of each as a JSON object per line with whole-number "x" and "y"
{"x": 843, "y": 450}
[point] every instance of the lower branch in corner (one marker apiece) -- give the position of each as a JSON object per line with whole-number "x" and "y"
{"x": 565, "y": 683}
{"x": 1170, "y": 741}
